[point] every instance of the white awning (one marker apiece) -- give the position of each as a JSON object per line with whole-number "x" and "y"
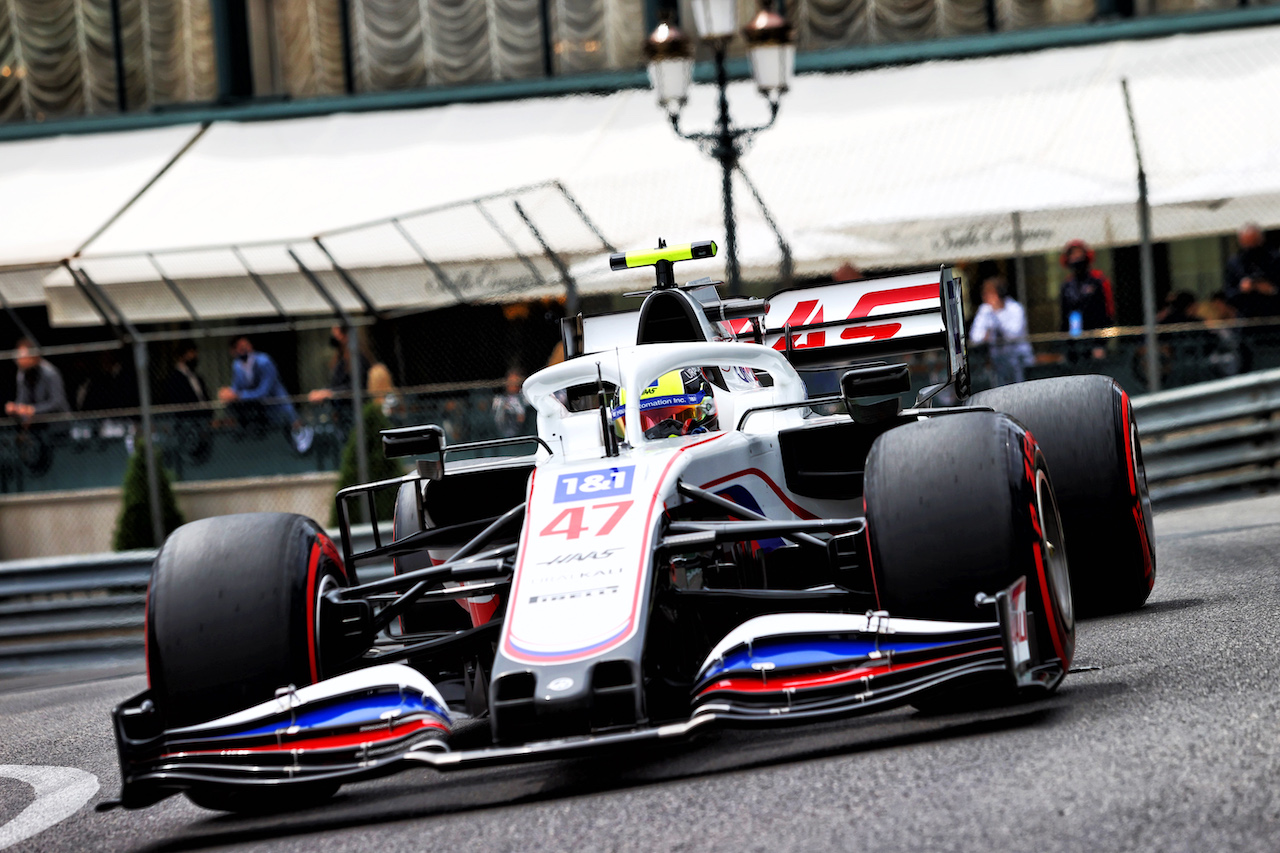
{"x": 892, "y": 167}
{"x": 56, "y": 193}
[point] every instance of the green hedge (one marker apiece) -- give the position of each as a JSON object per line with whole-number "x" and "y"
{"x": 133, "y": 525}
{"x": 380, "y": 468}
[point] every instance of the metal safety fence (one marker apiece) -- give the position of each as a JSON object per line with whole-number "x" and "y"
{"x": 87, "y": 612}
{"x": 1187, "y": 353}
{"x": 1211, "y": 436}
{"x": 73, "y": 613}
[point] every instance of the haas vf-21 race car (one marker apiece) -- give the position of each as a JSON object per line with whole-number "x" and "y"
{"x": 689, "y": 541}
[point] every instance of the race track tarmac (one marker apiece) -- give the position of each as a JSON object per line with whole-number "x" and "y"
{"x": 1167, "y": 738}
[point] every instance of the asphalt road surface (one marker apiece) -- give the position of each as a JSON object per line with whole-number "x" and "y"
{"x": 1166, "y": 738}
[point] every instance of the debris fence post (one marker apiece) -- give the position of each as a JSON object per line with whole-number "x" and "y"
{"x": 142, "y": 364}
{"x": 1147, "y": 258}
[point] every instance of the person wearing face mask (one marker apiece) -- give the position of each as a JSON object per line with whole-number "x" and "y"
{"x": 257, "y": 396}
{"x": 1085, "y": 299}
{"x": 183, "y": 385}
{"x": 340, "y": 373}
{"x": 340, "y": 377}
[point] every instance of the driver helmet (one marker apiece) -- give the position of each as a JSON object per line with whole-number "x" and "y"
{"x": 681, "y": 402}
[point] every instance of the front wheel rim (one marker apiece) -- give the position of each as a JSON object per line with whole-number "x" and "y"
{"x": 327, "y": 582}
{"x": 1054, "y": 551}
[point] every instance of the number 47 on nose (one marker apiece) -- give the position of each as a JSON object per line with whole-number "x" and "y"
{"x": 572, "y": 522}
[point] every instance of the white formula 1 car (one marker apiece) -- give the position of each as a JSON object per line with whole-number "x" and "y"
{"x": 690, "y": 541}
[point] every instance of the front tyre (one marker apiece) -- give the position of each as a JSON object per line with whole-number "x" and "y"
{"x": 233, "y": 614}
{"x": 962, "y": 504}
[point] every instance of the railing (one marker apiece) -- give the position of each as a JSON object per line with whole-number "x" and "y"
{"x": 86, "y": 450}
{"x": 87, "y": 612}
{"x": 1211, "y": 436}
{"x": 72, "y": 612}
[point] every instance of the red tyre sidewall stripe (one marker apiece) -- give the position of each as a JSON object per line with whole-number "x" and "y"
{"x": 1131, "y": 463}
{"x": 1147, "y": 562}
{"x": 322, "y": 545}
{"x": 1056, "y": 631}
{"x": 312, "y": 567}
{"x": 875, "y": 587}
{"x": 1131, "y": 460}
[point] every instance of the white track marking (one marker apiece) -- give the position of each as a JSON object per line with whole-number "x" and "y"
{"x": 60, "y": 793}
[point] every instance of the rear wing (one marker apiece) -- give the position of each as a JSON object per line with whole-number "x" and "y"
{"x": 834, "y": 324}
{"x": 824, "y": 327}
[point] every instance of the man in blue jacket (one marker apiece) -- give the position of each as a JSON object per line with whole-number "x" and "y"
{"x": 257, "y": 395}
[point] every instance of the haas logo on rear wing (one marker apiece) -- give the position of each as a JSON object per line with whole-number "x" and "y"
{"x": 835, "y": 324}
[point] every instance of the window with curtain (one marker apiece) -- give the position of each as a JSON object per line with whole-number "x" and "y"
{"x": 1027, "y": 14}
{"x": 841, "y": 23}
{"x": 57, "y": 57}
{"x": 305, "y": 47}
{"x": 597, "y": 35}
{"x": 411, "y": 43}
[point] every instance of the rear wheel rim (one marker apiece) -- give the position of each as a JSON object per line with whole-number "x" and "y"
{"x": 1140, "y": 479}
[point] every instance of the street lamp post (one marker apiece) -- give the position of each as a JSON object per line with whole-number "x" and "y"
{"x": 772, "y": 52}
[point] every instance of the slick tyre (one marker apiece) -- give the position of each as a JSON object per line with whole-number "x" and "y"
{"x": 232, "y": 613}
{"x": 963, "y": 504}
{"x": 1085, "y": 428}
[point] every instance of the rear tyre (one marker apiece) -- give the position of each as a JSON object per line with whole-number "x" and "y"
{"x": 962, "y": 504}
{"x": 232, "y": 616}
{"x": 1085, "y": 427}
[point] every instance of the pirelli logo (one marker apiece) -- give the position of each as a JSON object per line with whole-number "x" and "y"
{"x": 598, "y": 592}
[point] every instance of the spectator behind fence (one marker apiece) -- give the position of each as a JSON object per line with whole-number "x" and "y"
{"x": 257, "y": 396}
{"x": 340, "y": 371}
{"x": 40, "y": 388}
{"x": 1226, "y": 356}
{"x": 508, "y": 407}
{"x": 382, "y": 390}
{"x": 1252, "y": 277}
{"x": 1179, "y": 307}
{"x": 183, "y": 386}
{"x": 108, "y": 386}
{"x": 1086, "y": 299}
{"x": 1001, "y": 323}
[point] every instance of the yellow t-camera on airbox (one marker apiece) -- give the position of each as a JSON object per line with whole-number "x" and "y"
{"x": 662, "y": 259}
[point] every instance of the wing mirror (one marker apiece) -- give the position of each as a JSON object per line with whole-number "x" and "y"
{"x": 423, "y": 440}
{"x": 874, "y": 380}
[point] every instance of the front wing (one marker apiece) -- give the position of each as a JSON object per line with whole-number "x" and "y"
{"x": 772, "y": 670}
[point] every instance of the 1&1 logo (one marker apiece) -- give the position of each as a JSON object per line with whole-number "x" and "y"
{"x": 589, "y": 485}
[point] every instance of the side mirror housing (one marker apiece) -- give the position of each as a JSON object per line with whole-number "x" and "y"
{"x": 874, "y": 380}
{"x": 424, "y": 440}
